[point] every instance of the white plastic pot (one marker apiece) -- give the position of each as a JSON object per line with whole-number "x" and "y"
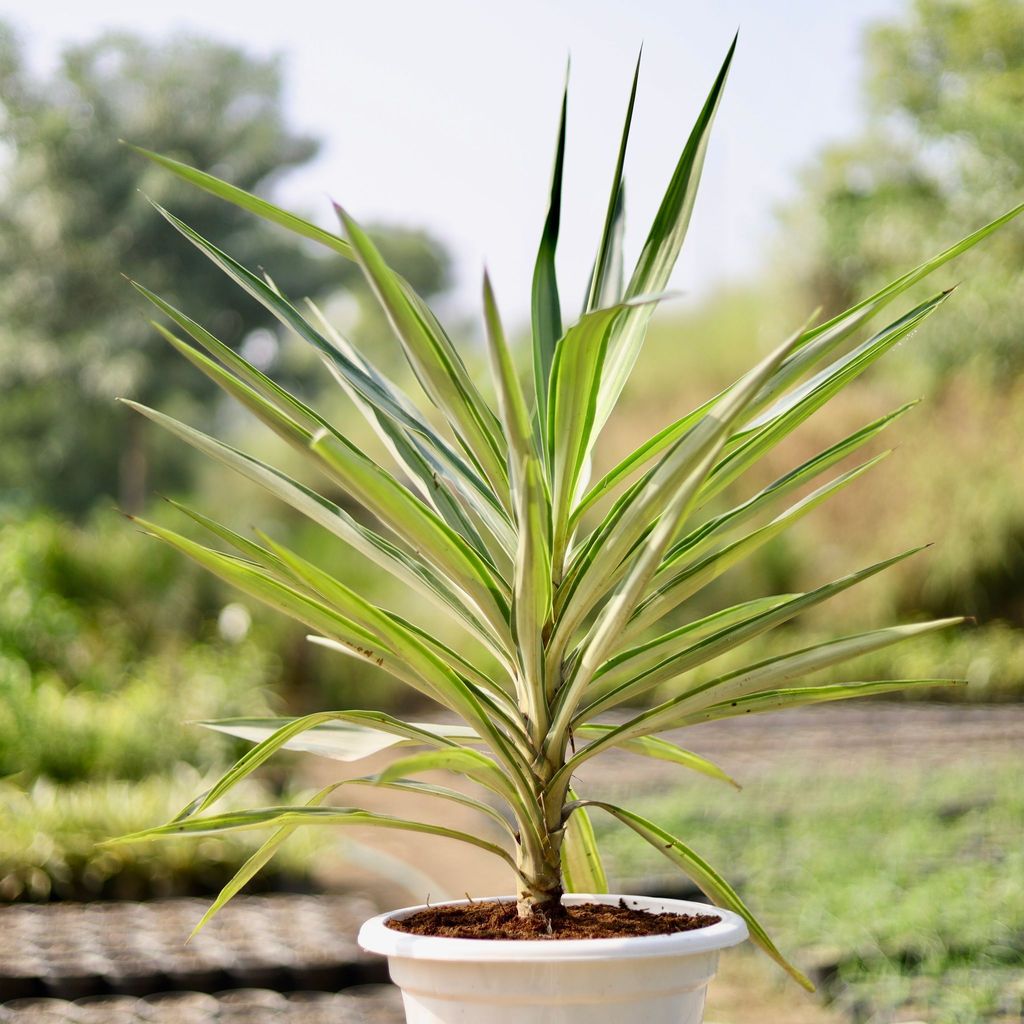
{"x": 657, "y": 979}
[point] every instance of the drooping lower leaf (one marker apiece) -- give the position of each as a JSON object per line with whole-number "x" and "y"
{"x": 707, "y": 878}
{"x": 278, "y": 817}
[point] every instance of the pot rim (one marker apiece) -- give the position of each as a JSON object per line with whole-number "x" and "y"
{"x": 376, "y": 937}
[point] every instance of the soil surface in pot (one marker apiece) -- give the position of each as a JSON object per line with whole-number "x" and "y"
{"x": 487, "y": 920}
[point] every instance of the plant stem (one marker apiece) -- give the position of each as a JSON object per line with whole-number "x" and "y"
{"x": 540, "y": 870}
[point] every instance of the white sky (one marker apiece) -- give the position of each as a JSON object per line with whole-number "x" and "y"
{"x": 443, "y": 113}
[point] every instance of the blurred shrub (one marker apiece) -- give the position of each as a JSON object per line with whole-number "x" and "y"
{"x": 88, "y": 604}
{"x": 49, "y": 843}
{"x": 108, "y": 648}
{"x": 99, "y": 664}
{"x": 64, "y": 734}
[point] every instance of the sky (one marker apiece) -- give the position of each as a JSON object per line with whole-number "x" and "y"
{"x": 444, "y": 114}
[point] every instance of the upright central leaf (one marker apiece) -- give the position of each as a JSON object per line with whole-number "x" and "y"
{"x": 545, "y": 306}
{"x": 662, "y": 247}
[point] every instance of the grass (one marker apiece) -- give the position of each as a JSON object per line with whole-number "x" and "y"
{"x": 902, "y": 884}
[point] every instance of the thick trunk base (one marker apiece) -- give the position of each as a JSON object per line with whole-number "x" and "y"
{"x": 546, "y": 905}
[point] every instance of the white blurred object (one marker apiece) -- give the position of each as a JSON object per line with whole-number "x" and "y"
{"x": 260, "y": 347}
{"x": 234, "y": 622}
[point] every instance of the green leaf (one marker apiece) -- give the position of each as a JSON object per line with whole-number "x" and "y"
{"x": 606, "y": 280}
{"x": 825, "y": 337}
{"x": 476, "y": 766}
{"x": 665, "y": 438}
{"x": 632, "y": 662}
{"x": 256, "y": 863}
{"x": 493, "y": 692}
{"x": 440, "y": 792}
{"x": 711, "y": 883}
{"x": 606, "y": 631}
{"x": 426, "y": 533}
{"x": 389, "y": 404}
{"x": 515, "y": 417}
{"x": 660, "y": 750}
{"x": 256, "y": 553}
{"x": 753, "y": 678}
{"x": 456, "y": 496}
{"x": 271, "y": 817}
{"x": 666, "y": 503}
{"x": 677, "y": 652}
{"x": 267, "y": 411}
{"x": 885, "y": 295}
{"x": 372, "y": 388}
{"x": 430, "y": 659}
{"x": 531, "y": 603}
{"x": 484, "y": 709}
{"x": 710, "y": 411}
{"x": 709, "y": 532}
{"x": 406, "y": 515}
{"x": 668, "y": 230}
{"x": 294, "y": 727}
{"x": 582, "y": 869}
{"x": 352, "y": 736}
{"x": 434, "y": 360}
{"x": 576, "y": 376}
{"x": 247, "y": 201}
{"x": 459, "y": 760}
{"x": 546, "y": 311}
{"x": 383, "y": 644}
{"x": 392, "y": 503}
{"x": 604, "y": 561}
{"x": 360, "y": 734}
{"x": 782, "y": 418}
{"x": 404, "y": 567}
{"x": 240, "y": 367}
{"x": 662, "y": 247}
{"x": 675, "y": 584}
{"x": 781, "y": 700}
{"x": 796, "y": 664}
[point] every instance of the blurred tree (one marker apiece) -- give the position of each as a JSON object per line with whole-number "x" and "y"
{"x": 74, "y": 217}
{"x": 942, "y": 154}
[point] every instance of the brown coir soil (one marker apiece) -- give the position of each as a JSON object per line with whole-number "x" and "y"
{"x": 586, "y": 921}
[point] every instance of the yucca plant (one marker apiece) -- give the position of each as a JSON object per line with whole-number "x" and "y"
{"x": 562, "y": 586}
